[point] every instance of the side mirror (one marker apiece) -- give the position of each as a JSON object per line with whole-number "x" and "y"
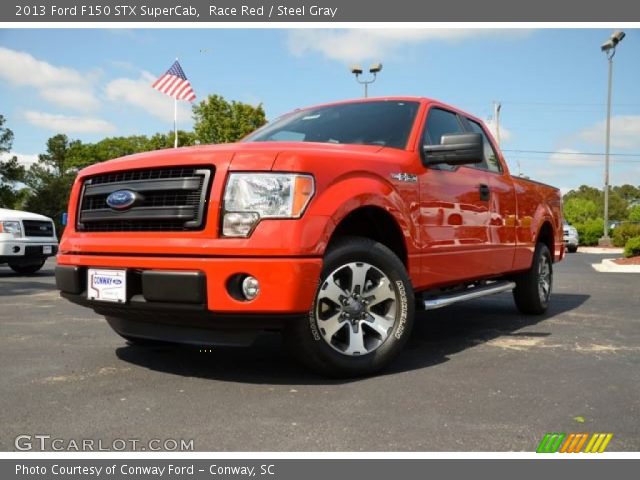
{"x": 456, "y": 149}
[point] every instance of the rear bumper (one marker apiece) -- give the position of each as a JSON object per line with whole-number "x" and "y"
{"x": 287, "y": 285}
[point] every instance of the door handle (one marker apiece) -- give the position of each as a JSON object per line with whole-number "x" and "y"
{"x": 485, "y": 192}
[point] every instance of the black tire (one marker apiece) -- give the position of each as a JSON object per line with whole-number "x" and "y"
{"x": 136, "y": 341}
{"x": 385, "y": 301}
{"x": 530, "y": 294}
{"x": 26, "y": 269}
{"x": 572, "y": 249}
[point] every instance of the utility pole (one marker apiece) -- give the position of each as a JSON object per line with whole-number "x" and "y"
{"x": 496, "y": 115}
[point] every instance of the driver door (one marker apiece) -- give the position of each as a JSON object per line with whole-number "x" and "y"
{"x": 454, "y": 211}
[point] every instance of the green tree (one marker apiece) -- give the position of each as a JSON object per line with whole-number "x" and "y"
{"x": 160, "y": 141}
{"x": 6, "y": 136}
{"x": 51, "y": 178}
{"x": 618, "y": 206}
{"x": 12, "y": 193}
{"x": 630, "y": 193}
{"x": 579, "y": 210}
{"x": 634, "y": 213}
{"x": 11, "y": 172}
{"x": 220, "y": 121}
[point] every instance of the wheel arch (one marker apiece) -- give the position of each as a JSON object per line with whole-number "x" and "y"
{"x": 546, "y": 236}
{"x": 375, "y": 223}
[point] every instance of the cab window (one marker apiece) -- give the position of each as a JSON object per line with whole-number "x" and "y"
{"x": 491, "y": 161}
{"x": 440, "y": 122}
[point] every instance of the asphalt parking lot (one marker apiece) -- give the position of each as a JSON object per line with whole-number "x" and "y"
{"x": 475, "y": 377}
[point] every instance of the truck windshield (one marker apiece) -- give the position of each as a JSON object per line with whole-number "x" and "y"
{"x": 384, "y": 123}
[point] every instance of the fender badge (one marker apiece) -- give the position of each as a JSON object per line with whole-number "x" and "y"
{"x": 405, "y": 177}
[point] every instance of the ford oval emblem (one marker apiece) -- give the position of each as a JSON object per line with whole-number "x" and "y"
{"x": 121, "y": 199}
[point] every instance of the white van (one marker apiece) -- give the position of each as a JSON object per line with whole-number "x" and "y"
{"x": 26, "y": 240}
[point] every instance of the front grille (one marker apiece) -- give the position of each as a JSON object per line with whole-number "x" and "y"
{"x": 37, "y": 228}
{"x": 167, "y": 199}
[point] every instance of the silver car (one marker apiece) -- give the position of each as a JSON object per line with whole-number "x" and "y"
{"x": 571, "y": 237}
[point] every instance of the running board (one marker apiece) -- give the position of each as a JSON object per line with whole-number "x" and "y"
{"x": 469, "y": 294}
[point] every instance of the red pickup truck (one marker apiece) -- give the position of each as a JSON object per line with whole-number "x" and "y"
{"x": 332, "y": 224}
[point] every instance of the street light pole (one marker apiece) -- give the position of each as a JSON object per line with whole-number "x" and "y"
{"x": 605, "y": 241}
{"x": 357, "y": 71}
{"x": 609, "y": 48}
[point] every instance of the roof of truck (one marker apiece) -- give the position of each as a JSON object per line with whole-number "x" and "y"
{"x": 6, "y": 214}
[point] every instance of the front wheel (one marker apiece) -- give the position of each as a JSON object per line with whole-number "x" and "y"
{"x": 533, "y": 288}
{"x": 362, "y": 313}
{"x": 26, "y": 269}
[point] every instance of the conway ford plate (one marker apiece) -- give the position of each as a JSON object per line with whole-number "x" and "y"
{"x": 107, "y": 285}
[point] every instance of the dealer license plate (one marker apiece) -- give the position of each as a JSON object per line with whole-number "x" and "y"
{"x": 107, "y": 285}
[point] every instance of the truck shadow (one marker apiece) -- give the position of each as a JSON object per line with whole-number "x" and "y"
{"x": 437, "y": 337}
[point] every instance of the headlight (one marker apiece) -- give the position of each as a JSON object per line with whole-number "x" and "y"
{"x": 12, "y": 228}
{"x": 250, "y": 197}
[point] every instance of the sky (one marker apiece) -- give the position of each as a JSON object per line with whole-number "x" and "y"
{"x": 551, "y": 83}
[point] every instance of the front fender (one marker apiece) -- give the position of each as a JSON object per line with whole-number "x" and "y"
{"x": 362, "y": 189}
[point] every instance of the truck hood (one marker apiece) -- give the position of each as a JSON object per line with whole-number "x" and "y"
{"x": 6, "y": 214}
{"x": 259, "y": 156}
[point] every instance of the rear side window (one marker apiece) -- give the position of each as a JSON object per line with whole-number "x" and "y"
{"x": 439, "y": 123}
{"x": 490, "y": 156}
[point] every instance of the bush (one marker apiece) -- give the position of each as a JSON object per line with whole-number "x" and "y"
{"x": 590, "y": 231}
{"x": 634, "y": 213}
{"x": 632, "y": 247}
{"x": 622, "y": 233}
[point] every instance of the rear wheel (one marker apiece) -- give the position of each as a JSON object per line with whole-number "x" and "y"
{"x": 27, "y": 269}
{"x": 533, "y": 288}
{"x": 362, "y": 313}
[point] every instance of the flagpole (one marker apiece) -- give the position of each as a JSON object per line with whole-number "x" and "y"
{"x": 175, "y": 122}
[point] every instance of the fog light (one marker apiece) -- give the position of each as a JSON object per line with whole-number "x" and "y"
{"x": 250, "y": 288}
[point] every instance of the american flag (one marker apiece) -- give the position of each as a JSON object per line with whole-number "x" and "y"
{"x": 175, "y": 84}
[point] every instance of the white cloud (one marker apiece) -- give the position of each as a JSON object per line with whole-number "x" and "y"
{"x": 138, "y": 92}
{"x": 62, "y": 86}
{"x": 625, "y": 132}
{"x": 68, "y": 124}
{"x": 572, "y": 157}
{"x": 71, "y": 98}
{"x": 359, "y": 45}
{"x": 26, "y": 159}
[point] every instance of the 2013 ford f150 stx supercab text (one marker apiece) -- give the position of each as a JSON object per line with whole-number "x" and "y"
{"x": 332, "y": 224}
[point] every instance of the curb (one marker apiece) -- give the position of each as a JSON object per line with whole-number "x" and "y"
{"x": 609, "y": 266}
{"x": 601, "y": 250}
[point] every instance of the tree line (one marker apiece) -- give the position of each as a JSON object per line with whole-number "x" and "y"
{"x": 584, "y": 208}
{"x": 45, "y": 186}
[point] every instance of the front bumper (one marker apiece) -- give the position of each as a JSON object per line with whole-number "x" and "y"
{"x": 571, "y": 241}
{"x": 195, "y": 286}
{"x": 26, "y": 252}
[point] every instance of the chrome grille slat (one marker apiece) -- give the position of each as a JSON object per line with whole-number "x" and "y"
{"x": 172, "y": 199}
